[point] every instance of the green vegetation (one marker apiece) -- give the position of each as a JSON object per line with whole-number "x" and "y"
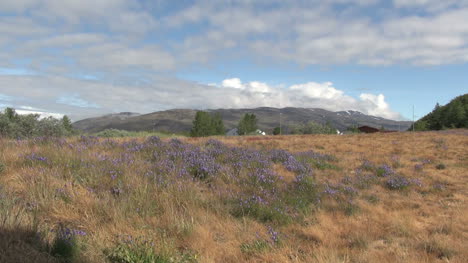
{"x": 247, "y": 124}
{"x": 115, "y": 133}
{"x": 452, "y": 115}
{"x": 354, "y": 129}
{"x": 277, "y": 131}
{"x": 135, "y": 251}
{"x": 313, "y": 128}
{"x": 206, "y": 124}
{"x": 13, "y": 125}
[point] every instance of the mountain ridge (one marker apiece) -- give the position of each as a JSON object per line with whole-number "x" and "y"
{"x": 180, "y": 120}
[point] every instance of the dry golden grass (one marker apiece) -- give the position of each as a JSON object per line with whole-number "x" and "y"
{"x": 427, "y": 223}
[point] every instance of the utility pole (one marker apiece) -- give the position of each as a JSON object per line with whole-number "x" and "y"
{"x": 280, "y": 121}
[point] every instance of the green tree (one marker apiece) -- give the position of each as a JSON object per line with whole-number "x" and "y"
{"x": 420, "y": 126}
{"x": 206, "y": 124}
{"x": 13, "y": 125}
{"x": 67, "y": 125}
{"x": 11, "y": 114}
{"x": 247, "y": 124}
{"x": 452, "y": 115}
{"x": 217, "y": 124}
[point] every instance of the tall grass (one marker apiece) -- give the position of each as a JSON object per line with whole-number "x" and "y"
{"x": 272, "y": 199}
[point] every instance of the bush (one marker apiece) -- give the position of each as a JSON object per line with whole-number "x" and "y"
{"x": 440, "y": 166}
{"x": 277, "y": 131}
{"x": 16, "y": 126}
{"x": 65, "y": 244}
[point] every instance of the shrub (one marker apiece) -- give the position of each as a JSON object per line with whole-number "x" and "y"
{"x": 65, "y": 244}
{"x": 440, "y": 166}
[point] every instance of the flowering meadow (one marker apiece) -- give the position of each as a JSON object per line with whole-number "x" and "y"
{"x": 397, "y": 197}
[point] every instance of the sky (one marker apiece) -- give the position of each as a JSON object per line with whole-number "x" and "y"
{"x": 87, "y": 58}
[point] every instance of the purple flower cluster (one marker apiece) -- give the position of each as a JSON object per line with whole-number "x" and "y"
{"x": 274, "y": 235}
{"x": 367, "y": 165}
{"x": 35, "y": 157}
{"x": 384, "y": 171}
{"x": 330, "y": 190}
{"x": 397, "y": 182}
{"x": 68, "y": 234}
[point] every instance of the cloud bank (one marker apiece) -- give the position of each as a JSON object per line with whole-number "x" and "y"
{"x": 98, "y": 97}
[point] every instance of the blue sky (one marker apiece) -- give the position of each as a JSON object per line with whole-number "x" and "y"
{"x": 91, "y": 57}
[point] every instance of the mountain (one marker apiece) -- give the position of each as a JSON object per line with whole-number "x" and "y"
{"x": 452, "y": 115}
{"x": 180, "y": 120}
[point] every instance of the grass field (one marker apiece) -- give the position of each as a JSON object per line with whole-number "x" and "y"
{"x": 395, "y": 197}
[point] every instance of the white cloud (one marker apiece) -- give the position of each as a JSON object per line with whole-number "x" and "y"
{"x": 42, "y": 114}
{"x": 233, "y": 83}
{"x": 318, "y": 90}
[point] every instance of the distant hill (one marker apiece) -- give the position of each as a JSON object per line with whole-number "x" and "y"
{"x": 452, "y": 115}
{"x": 180, "y": 120}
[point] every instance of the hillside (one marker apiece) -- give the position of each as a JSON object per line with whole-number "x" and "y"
{"x": 180, "y": 120}
{"x": 452, "y": 115}
{"x": 395, "y": 197}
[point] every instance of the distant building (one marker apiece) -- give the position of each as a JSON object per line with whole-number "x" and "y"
{"x": 368, "y": 129}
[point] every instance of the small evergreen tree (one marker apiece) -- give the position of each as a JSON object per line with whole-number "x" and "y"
{"x": 67, "y": 125}
{"x": 247, "y": 124}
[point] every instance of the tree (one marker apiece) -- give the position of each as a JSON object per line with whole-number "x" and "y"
{"x": 11, "y": 114}
{"x": 66, "y": 122}
{"x": 247, "y": 124}
{"x": 217, "y": 124}
{"x": 452, "y": 115}
{"x": 205, "y": 124}
{"x": 13, "y": 125}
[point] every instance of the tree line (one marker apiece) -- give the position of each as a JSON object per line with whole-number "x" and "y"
{"x": 206, "y": 124}
{"x": 452, "y": 115}
{"x": 14, "y": 125}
